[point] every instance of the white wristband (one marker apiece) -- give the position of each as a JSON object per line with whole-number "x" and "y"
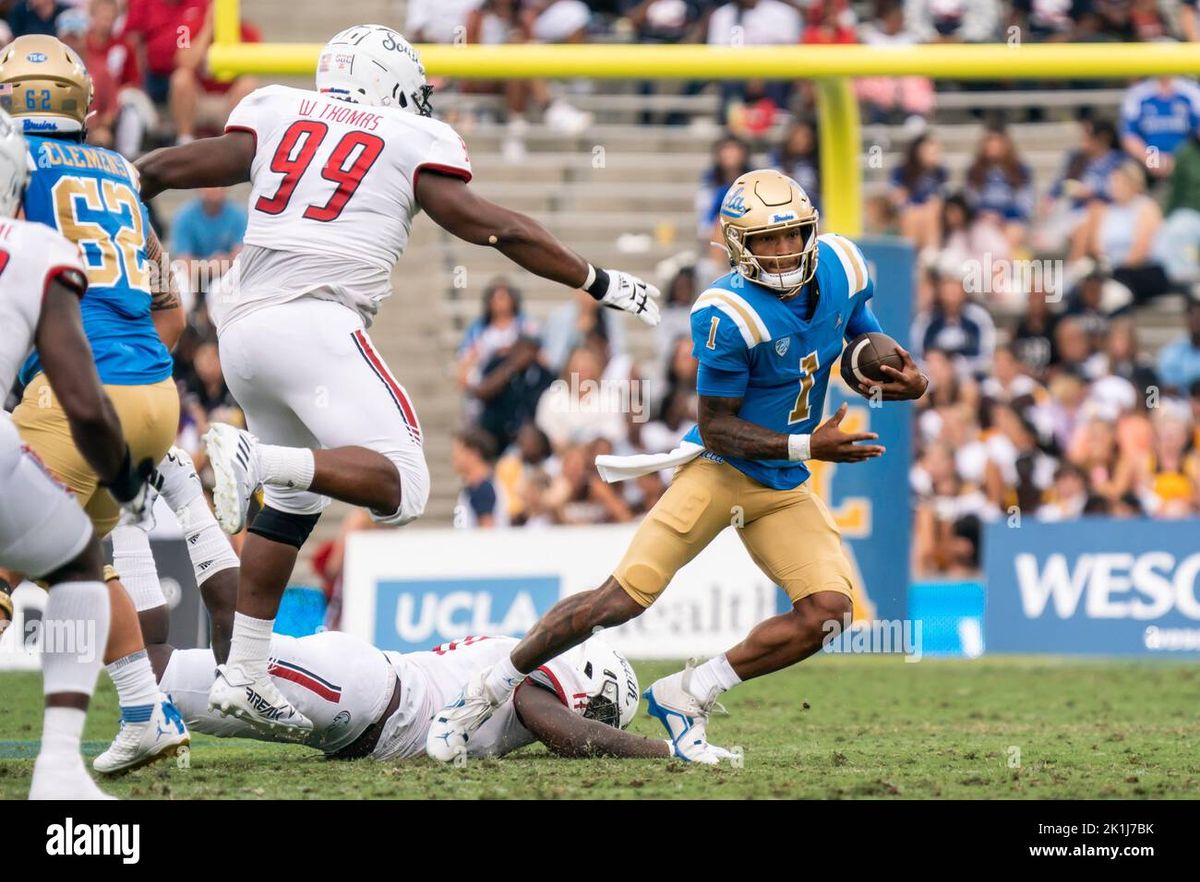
{"x": 799, "y": 447}
{"x": 670, "y": 747}
{"x": 591, "y": 278}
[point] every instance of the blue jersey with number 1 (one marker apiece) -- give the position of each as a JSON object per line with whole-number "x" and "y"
{"x": 90, "y": 195}
{"x": 773, "y": 355}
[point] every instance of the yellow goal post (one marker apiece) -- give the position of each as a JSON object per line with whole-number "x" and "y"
{"x": 831, "y": 68}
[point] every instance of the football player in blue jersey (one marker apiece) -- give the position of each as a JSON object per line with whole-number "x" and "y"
{"x": 131, "y": 319}
{"x": 766, "y": 335}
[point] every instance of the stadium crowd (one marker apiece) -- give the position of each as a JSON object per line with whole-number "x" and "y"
{"x": 1041, "y": 404}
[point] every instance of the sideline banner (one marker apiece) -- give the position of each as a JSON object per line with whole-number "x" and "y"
{"x": 1097, "y": 586}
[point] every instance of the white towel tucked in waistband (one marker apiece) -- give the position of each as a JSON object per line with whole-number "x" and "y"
{"x": 622, "y": 468}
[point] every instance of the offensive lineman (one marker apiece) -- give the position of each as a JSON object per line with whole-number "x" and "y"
{"x": 90, "y": 195}
{"x": 766, "y": 335}
{"x": 43, "y": 531}
{"x": 338, "y": 175}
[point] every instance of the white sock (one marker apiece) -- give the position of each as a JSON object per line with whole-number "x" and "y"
{"x": 137, "y": 690}
{"x": 251, "y": 644}
{"x": 62, "y": 729}
{"x": 288, "y": 467}
{"x": 134, "y": 561}
{"x": 74, "y": 635}
{"x": 502, "y": 679}
{"x": 714, "y": 674}
{"x": 207, "y": 545}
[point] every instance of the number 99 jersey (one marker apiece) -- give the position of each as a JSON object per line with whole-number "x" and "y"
{"x": 91, "y": 196}
{"x": 333, "y": 197}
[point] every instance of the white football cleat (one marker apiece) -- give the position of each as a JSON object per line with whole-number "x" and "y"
{"x": 234, "y": 458}
{"x": 138, "y": 744}
{"x": 180, "y": 483}
{"x": 257, "y": 702}
{"x": 685, "y": 717}
{"x": 451, "y": 727}
{"x": 63, "y": 778}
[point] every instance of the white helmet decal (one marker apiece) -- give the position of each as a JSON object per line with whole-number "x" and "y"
{"x": 375, "y": 65}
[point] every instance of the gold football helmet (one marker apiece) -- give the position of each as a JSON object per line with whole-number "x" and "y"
{"x": 768, "y": 201}
{"x": 45, "y": 85}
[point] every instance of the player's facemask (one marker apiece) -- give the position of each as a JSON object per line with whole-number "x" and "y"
{"x": 603, "y": 708}
{"x": 767, "y": 201}
{"x": 44, "y": 84}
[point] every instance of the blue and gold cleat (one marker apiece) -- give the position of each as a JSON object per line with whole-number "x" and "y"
{"x": 685, "y": 717}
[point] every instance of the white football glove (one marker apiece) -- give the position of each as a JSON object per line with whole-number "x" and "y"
{"x": 139, "y": 511}
{"x": 627, "y": 292}
{"x": 700, "y": 752}
{"x": 136, "y": 489}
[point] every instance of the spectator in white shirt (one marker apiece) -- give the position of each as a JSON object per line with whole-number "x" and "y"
{"x": 754, "y": 23}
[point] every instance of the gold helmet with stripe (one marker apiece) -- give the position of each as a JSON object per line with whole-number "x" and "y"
{"x": 45, "y": 85}
{"x": 767, "y": 201}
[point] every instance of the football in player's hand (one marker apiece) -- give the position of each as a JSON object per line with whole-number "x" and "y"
{"x": 864, "y": 356}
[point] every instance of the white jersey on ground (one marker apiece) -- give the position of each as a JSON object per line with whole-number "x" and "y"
{"x": 333, "y": 198}
{"x": 343, "y": 684}
{"x": 42, "y": 527}
{"x": 31, "y": 257}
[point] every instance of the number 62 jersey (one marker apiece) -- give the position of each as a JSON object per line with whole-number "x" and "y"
{"x": 333, "y": 197}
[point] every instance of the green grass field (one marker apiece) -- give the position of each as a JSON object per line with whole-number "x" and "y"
{"x": 833, "y": 727}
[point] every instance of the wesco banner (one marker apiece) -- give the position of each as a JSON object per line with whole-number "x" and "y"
{"x": 1098, "y": 586}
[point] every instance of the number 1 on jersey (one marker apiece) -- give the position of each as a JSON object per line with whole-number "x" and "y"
{"x": 810, "y": 364}
{"x": 712, "y": 333}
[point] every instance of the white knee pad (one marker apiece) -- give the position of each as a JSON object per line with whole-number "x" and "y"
{"x": 300, "y": 502}
{"x": 414, "y": 487}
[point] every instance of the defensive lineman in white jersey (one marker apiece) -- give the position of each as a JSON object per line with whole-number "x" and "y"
{"x": 367, "y": 703}
{"x": 338, "y": 176}
{"x": 43, "y": 531}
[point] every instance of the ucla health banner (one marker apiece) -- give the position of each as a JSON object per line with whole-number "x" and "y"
{"x": 410, "y": 590}
{"x": 1097, "y": 585}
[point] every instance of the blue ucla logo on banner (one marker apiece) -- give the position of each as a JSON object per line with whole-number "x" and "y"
{"x": 418, "y": 614}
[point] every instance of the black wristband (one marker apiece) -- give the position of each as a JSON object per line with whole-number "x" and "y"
{"x": 599, "y": 287}
{"x": 126, "y": 484}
